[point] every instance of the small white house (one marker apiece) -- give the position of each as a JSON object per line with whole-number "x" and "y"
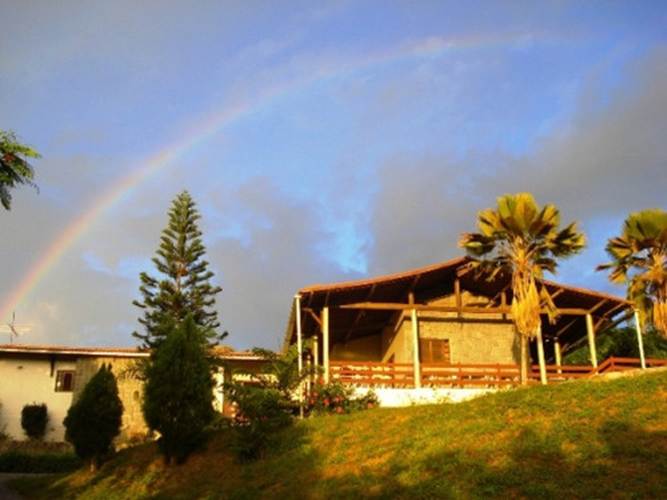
{"x": 56, "y": 375}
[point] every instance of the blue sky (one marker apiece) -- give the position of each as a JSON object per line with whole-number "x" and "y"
{"x": 374, "y": 133}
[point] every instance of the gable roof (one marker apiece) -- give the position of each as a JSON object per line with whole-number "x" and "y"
{"x": 428, "y": 283}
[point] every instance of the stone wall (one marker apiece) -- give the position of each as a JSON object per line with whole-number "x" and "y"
{"x": 130, "y": 390}
{"x": 488, "y": 338}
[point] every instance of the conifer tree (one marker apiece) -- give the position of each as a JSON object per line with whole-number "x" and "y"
{"x": 178, "y": 394}
{"x": 184, "y": 286}
{"x": 94, "y": 420}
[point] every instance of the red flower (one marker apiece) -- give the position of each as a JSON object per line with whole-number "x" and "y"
{"x": 339, "y": 409}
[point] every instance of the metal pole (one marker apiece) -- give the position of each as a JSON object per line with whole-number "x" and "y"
{"x": 299, "y": 348}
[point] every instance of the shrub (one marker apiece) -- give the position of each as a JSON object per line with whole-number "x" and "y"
{"x": 337, "y": 398}
{"x": 34, "y": 418}
{"x": 94, "y": 420}
{"x": 178, "y": 395}
{"x": 269, "y": 404}
{"x": 261, "y": 411}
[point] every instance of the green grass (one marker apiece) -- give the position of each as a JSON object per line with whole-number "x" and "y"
{"x": 589, "y": 439}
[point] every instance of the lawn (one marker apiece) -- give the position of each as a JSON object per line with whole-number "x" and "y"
{"x": 586, "y": 439}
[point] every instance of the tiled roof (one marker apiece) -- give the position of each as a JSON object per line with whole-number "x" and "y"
{"x": 223, "y": 352}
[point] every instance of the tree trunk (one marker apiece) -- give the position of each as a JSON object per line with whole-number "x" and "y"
{"x": 525, "y": 357}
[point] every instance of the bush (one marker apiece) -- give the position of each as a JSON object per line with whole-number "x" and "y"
{"x": 16, "y": 461}
{"x": 261, "y": 411}
{"x": 337, "y": 398}
{"x": 94, "y": 420}
{"x": 178, "y": 395}
{"x": 34, "y": 418}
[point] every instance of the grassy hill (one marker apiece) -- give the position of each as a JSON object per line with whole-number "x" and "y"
{"x": 588, "y": 439}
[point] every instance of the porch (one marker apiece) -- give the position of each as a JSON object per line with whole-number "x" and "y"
{"x": 459, "y": 375}
{"x": 441, "y": 327}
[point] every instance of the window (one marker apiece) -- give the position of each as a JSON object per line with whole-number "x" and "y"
{"x": 434, "y": 350}
{"x": 64, "y": 380}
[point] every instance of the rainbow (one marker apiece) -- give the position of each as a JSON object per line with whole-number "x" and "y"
{"x": 210, "y": 126}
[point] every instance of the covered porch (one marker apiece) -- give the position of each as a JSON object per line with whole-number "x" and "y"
{"x": 440, "y": 327}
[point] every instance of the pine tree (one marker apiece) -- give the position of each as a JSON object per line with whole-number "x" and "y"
{"x": 178, "y": 394}
{"x": 184, "y": 285}
{"x": 94, "y": 420}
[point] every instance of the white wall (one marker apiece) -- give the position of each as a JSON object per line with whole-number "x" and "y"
{"x": 25, "y": 381}
{"x": 392, "y": 397}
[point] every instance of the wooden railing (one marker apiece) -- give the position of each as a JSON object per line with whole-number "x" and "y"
{"x": 617, "y": 364}
{"x": 401, "y": 375}
{"x": 374, "y": 374}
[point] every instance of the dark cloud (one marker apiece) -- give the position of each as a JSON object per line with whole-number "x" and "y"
{"x": 609, "y": 160}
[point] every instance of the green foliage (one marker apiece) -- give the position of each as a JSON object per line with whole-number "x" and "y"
{"x": 268, "y": 404}
{"x": 639, "y": 259}
{"x": 21, "y": 462}
{"x": 183, "y": 286}
{"x": 14, "y": 168}
{"x": 178, "y": 391}
{"x": 261, "y": 411}
{"x": 338, "y": 398}
{"x": 620, "y": 342}
{"x": 34, "y": 418}
{"x": 94, "y": 420}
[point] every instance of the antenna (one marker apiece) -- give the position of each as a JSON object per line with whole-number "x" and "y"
{"x": 13, "y": 329}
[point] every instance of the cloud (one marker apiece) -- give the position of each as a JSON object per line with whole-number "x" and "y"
{"x": 609, "y": 160}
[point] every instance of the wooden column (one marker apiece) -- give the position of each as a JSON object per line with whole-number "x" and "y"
{"x": 540, "y": 356}
{"x": 316, "y": 356}
{"x": 457, "y": 296}
{"x": 325, "y": 343}
{"x": 415, "y": 344}
{"x": 557, "y": 354}
{"x": 591, "y": 340}
{"x": 640, "y": 340}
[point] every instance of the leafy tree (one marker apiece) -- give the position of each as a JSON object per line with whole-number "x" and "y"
{"x": 522, "y": 240}
{"x": 94, "y": 420}
{"x": 269, "y": 404}
{"x": 178, "y": 393}
{"x": 34, "y": 418}
{"x": 184, "y": 286}
{"x": 621, "y": 342}
{"x": 14, "y": 166}
{"x": 639, "y": 260}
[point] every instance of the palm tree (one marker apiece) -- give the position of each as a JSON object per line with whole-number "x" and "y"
{"x": 522, "y": 240}
{"x": 639, "y": 259}
{"x": 14, "y": 168}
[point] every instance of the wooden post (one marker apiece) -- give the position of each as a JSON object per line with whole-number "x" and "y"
{"x": 591, "y": 340}
{"x": 415, "y": 344}
{"x": 316, "y": 357}
{"x": 299, "y": 348}
{"x": 559, "y": 360}
{"x": 325, "y": 343}
{"x": 540, "y": 356}
{"x": 640, "y": 340}
{"x": 457, "y": 296}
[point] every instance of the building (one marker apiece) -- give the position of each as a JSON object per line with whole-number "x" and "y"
{"x": 439, "y": 332}
{"x": 56, "y": 375}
